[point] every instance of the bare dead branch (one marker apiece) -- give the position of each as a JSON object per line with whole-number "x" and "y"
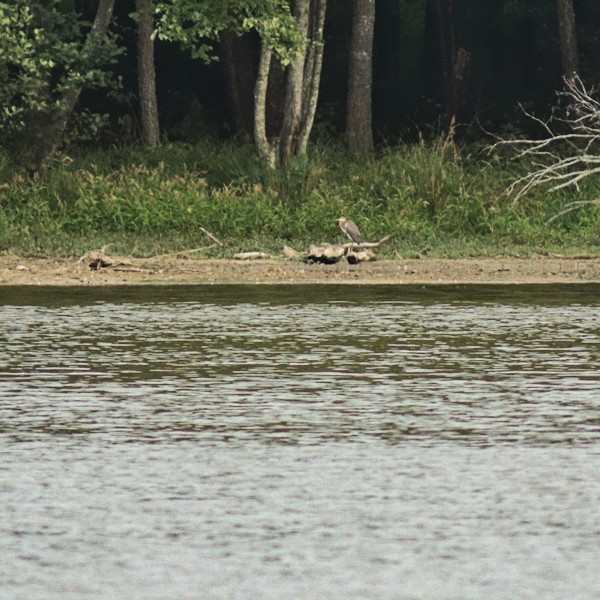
{"x": 571, "y": 207}
{"x": 207, "y": 233}
{"x": 366, "y": 244}
{"x": 573, "y": 124}
{"x": 180, "y": 252}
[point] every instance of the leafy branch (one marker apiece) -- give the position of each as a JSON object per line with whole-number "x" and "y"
{"x": 197, "y": 25}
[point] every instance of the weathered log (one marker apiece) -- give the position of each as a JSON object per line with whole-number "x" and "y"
{"x": 355, "y": 256}
{"x": 97, "y": 259}
{"x": 251, "y": 255}
{"x": 354, "y": 253}
{"x": 290, "y": 253}
{"x": 325, "y": 253}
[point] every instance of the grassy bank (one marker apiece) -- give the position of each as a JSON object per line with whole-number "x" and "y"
{"x": 432, "y": 198}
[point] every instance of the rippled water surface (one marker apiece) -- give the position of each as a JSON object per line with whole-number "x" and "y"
{"x": 300, "y": 442}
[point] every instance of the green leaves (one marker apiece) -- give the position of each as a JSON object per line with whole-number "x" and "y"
{"x": 42, "y": 55}
{"x": 195, "y": 24}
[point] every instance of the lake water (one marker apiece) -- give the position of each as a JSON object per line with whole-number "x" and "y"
{"x": 300, "y": 442}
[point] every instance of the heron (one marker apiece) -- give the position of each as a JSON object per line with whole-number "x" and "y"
{"x": 350, "y": 229}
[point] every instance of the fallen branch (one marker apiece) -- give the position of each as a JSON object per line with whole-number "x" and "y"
{"x": 130, "y": 269}
{"x": 211, "y": 236}
{"x": 251, "y": 255}
{"x": 208, "y": 234}
{"x": 182, "y": 252}
{"x": 575, "y": 125}
{"x": 363, "y": 245}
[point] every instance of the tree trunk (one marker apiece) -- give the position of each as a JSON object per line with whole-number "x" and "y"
{"x": 265, "y": 150}
{"x": 359, "y": 131}
{"x": 567, "y": 32}
{"x": 312, "y": 73}
{"x": 301, "y": 93}
{"x": 293, "y": 92}
{"x": 51, "y": 135}
{"x": 147, "y": 73}
{"x": 238, "y": 58}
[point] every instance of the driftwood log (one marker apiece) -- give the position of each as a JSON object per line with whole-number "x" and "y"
{"x": 251, "y": 255}
{"x": 291, "y": 254}
{"x": 354, "y": 253}
{"x": 97, "y": 259}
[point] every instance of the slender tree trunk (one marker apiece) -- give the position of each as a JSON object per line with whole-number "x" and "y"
{"x": 293, "y": 93}
{"x": 359, "y": 131}
{"x": 265, "y": 150}
{"x": 147, "y": 73}
{"x": 301, "y": 90}
{"x": 312, "y": 74}
{"x": 51, "y": 135}
{"x": 567, "y": 32}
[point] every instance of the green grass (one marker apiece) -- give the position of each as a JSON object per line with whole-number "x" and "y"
{"x": 436, "y": 199}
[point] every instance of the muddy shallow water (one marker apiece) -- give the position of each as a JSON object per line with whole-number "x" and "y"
{"x": 385, "y": 442}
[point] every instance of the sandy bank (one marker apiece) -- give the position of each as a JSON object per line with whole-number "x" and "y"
{"x": 32, "y": 271}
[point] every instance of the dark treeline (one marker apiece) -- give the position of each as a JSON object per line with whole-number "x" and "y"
{"x": 433, "y": 62}
{"x": 512, "y": 49}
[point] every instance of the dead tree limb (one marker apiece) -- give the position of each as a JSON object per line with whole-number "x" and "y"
{"x": 569, "y": 150}
{"x": 182, "y": 252}
{"x": 210, "y": 235}
{"x": 367, "y": 244}
{"x": 571, "y": 207}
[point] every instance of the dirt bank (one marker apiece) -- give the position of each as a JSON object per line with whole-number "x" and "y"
{"x": 31, "y": 271}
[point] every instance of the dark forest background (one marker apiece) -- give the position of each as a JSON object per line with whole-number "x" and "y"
{"x": 513, "y": 47}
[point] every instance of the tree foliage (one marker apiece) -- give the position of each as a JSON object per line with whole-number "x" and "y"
{"x": 197, "y": 24}
{"x": 42, "y": 58}
{"x": 475, "y": 62}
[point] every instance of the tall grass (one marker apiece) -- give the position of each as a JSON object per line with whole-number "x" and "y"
{"x": 431, "y": 197}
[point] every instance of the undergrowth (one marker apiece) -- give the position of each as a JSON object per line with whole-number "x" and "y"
{"x": 433, "y": 198}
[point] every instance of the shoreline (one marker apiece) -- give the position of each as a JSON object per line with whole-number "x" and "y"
{"x": 16, "y": 270}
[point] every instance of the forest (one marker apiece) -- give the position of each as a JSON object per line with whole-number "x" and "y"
{"x": 458, "y": 127}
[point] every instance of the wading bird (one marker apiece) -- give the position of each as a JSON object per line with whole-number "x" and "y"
{"x": 350, "y": 229}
